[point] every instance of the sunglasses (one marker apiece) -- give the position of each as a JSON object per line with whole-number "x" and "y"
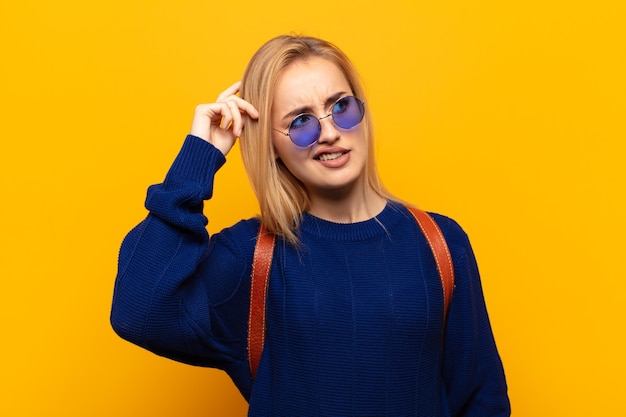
{"x": 305, "y": 129}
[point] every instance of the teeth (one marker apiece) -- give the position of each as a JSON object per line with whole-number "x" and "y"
{"x": 329, "y": 156}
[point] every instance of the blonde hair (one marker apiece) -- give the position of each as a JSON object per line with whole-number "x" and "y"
{"x": 282, "y": 197}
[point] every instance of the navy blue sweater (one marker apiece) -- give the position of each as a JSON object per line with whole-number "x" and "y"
{"x": 354, "y": 316}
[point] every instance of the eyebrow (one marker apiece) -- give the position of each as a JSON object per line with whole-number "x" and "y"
{"x": 308, "y": 109}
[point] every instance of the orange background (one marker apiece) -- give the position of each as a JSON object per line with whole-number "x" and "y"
{"x": 507, "y": 116}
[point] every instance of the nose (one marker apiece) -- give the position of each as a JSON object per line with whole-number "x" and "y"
{"x": 329, "y": 133}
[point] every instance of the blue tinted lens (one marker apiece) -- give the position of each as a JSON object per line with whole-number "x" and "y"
{"x": 348, "y": 112}
{"x": 305, "y": 130}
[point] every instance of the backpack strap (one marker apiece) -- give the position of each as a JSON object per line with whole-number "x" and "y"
{"x": 441, "y": 252}
{"x": 262, "y": 262}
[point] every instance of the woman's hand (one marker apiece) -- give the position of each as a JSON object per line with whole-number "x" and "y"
{"x": 220, "y": 123}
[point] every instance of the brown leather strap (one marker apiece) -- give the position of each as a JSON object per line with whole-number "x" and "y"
{"x": 441, "y": 252}
{"x": 261, "y": 263}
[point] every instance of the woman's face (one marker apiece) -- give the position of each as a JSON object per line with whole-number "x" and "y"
{"x": 337, "y": 160}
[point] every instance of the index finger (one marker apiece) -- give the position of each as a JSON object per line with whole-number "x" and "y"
{"x": 232, "y": 90}
{"x": 246, "y": 107}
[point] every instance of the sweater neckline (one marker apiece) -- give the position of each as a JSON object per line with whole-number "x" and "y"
{"x": 378, "y": 225}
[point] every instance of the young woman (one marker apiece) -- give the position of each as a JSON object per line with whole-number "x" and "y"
{"x": 355, "y": 320}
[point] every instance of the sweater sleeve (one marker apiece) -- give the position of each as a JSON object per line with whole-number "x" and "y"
{"x": 472, "y": 369}
{"x": 173, "y": 282}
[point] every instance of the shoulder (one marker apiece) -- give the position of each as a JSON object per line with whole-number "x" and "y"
{"x": 457, "y": 240}
{"x": 454, "y": 234}
{"x": 242, "y": 235}
{"x": 455, "y": 237}
{"x": 244, "y": 227}
{"x": 227, "y": 263}
{"x": 450, "y": 228}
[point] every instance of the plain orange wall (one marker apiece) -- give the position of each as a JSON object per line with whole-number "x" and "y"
{"x": 507, "y": 116}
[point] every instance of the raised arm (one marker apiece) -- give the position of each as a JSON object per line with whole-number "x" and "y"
{"x": 170, "y": 274}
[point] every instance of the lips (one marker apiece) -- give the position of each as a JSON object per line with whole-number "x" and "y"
{"x": 330, "y": 154}
{"x": 333, "y": 157}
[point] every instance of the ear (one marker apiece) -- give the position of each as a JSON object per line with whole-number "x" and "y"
{"x": 275, "y": 153}
{"x": 280, "y": 164}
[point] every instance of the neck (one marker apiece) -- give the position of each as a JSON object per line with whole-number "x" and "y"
{"x": 340, "y": 207}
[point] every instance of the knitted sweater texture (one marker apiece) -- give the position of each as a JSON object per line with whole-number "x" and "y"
{"x": 354, "y": 316}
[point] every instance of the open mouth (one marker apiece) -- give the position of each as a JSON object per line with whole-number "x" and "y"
{"x": 330, "y": 156}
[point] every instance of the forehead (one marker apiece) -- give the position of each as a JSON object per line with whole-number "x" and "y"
{"x": 309, "y": 81}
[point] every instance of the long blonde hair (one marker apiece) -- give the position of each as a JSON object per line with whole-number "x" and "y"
{"x": 282, "y": 197}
